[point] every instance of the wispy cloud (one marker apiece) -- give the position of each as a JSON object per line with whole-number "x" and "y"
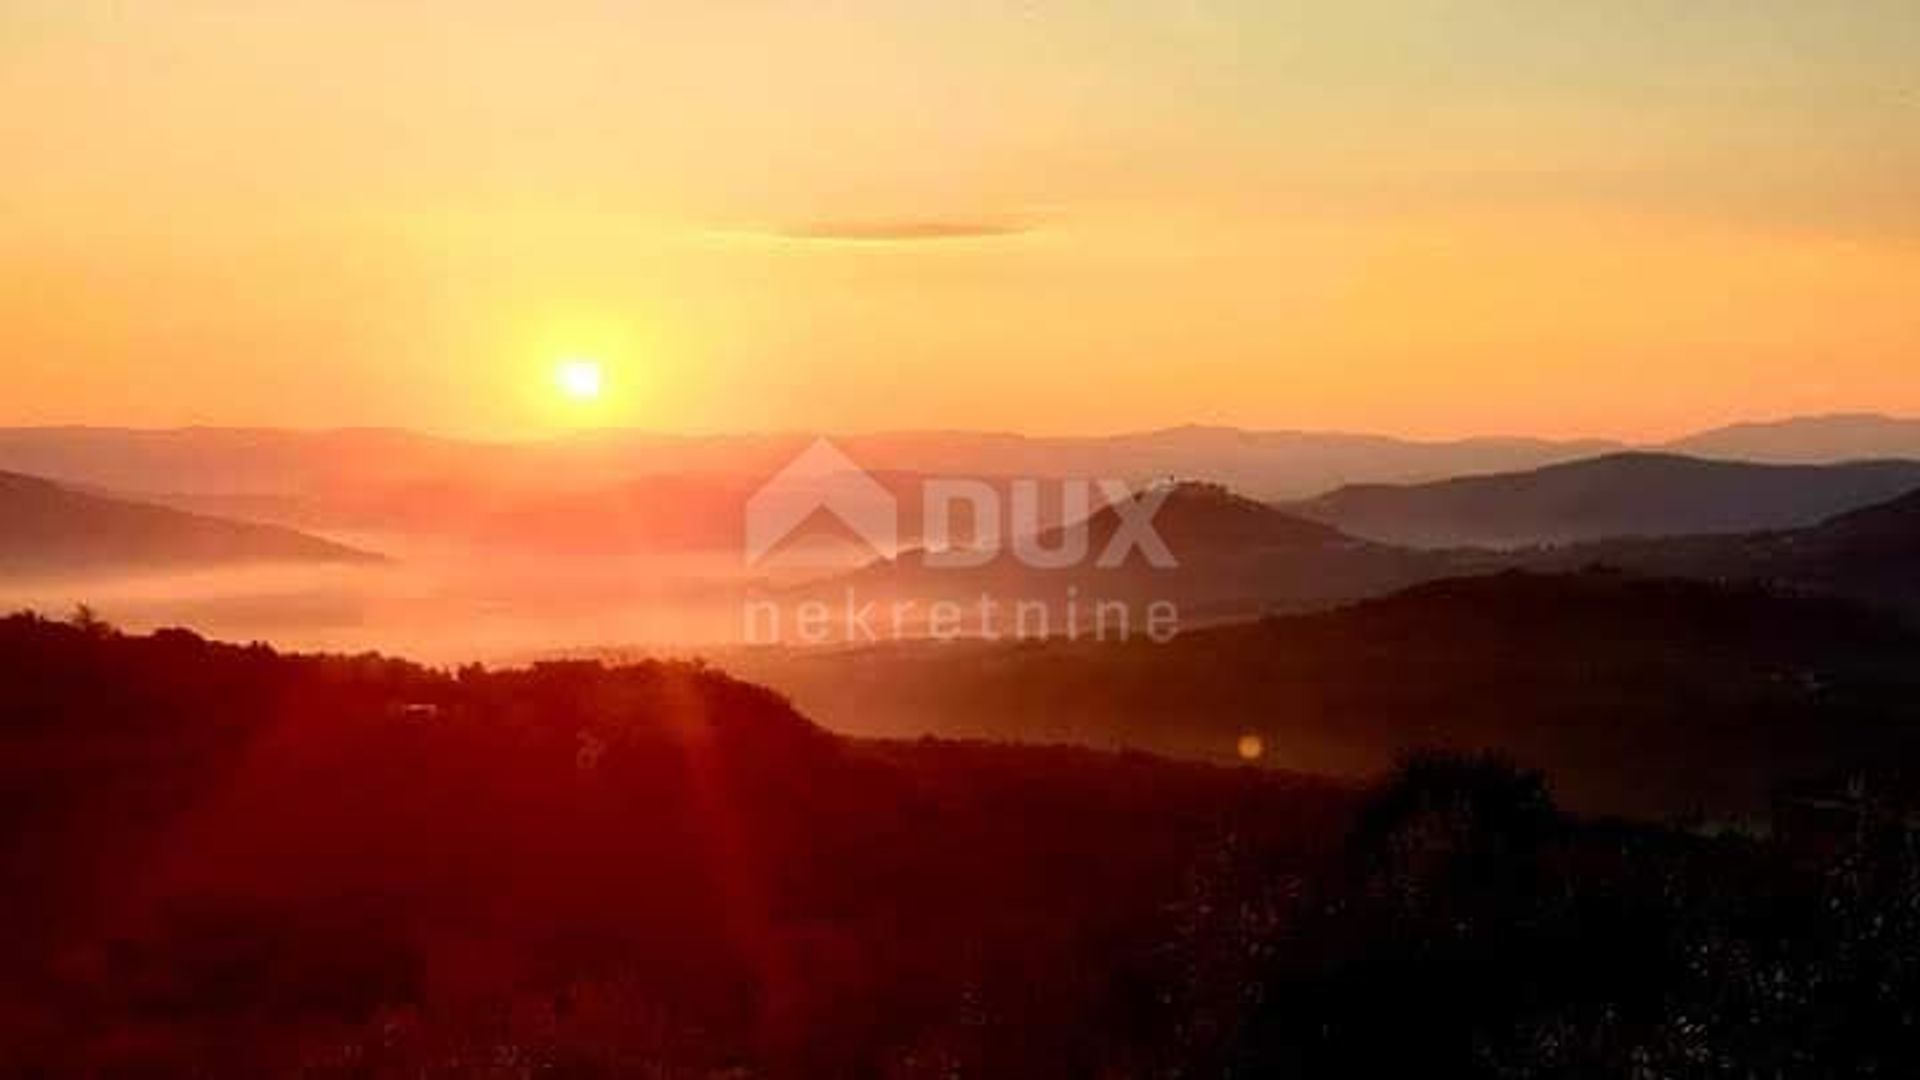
{"x": 901, "y": 230}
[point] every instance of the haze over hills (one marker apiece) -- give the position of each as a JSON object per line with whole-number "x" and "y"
{"x": 681, "y": 512}
{"x": 47, "y": 528}
{"x": 1871, "y": 555}
{"x": 1618, "y": 495}
{"x": 1234, "y": 558}
{"x": 379, "y": 480}
{"x": 1230, "y": 557}
{"x": 1812, "y": 439}
{"x": 321, "y": 465}
{"x": 1261, "y": 464}
{"x": 1637, "y": 695}
{"x": 240, "y": 462}
{"x": 509, "y": 548}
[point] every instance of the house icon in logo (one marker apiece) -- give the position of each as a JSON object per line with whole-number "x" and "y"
{"x": 822, "y": 482}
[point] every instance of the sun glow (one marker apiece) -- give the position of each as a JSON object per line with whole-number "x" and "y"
{"x": 581, "y": 380}
{"x": 1251, "y": 747}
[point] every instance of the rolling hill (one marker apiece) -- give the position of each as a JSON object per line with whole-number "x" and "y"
{"x": 1619, "y": 495}
{"x": 46, "y": 528}
{"x": 224, "y": 860}
{"x": 354, "y": 465}
{"x": 1636, "y": 695}
{"x": 1809, "y": 439}
{"x": 611, "y": 489}
{"x": 1231, "y": 557}
{"x": 1871, "y": 555}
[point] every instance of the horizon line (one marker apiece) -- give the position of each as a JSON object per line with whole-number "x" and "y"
{"x": 694, "y": 435}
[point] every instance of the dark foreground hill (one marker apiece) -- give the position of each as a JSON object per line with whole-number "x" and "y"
{"x": 47, "y": 528}
{"x": 219, "y": 861}
{"x": 1621, "y": 495}
{"x": 223, "y": 856}
{"x": 1643, "y": 696}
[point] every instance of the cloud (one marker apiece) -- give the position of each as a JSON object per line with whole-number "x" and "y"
{"x": 894, "y": 231}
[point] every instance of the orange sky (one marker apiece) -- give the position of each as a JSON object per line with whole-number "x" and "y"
{"x": 1048, "y": 215}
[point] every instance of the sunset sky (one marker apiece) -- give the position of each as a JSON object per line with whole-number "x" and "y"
{"x": 1627, "y": 218}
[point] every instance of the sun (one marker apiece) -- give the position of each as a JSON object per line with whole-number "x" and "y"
{"x": 580, "y": 379}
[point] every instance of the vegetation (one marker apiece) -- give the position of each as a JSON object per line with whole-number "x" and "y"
{"x": 226, "y": 861}
{"x": 1659, "y": 699}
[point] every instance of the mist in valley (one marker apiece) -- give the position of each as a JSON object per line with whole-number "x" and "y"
{"x": 437, "y": 602}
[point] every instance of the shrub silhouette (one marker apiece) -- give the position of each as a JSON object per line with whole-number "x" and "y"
{"x": 219, "y": 860}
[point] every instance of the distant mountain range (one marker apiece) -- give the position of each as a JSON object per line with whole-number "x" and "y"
{"x": 631, "y": 492}
{"x": 48, "y": 528}
{"x": 1619, "y": 495}
{"x": 1235, "y": 558}
{"x": 1263, "y": 464}
{"x": 1809, "y": 440}
{"x": 317, "y": 468}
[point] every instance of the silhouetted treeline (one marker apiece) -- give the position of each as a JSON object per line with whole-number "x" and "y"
{"x": 1664, "y": 699}
{"x": 224, "y": 856}
{"x": 223, "y": 861}
{"x": 1476, "y": 932}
